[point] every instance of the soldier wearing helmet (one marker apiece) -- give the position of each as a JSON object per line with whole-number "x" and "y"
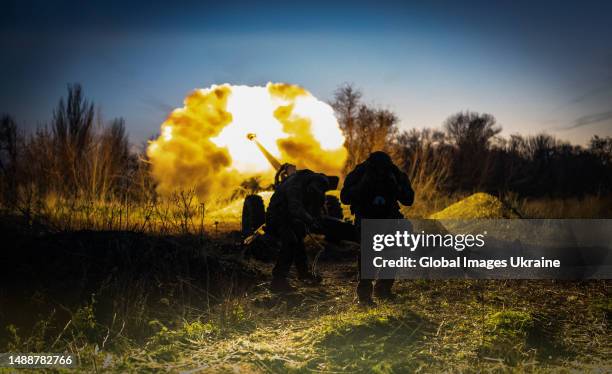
{"x": 373, "y": 190}
{"x": 295, "y": 209}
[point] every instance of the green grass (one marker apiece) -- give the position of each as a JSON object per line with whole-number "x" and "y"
{"x": 468, "y": 326}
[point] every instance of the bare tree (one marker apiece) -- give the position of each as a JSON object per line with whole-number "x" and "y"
{"x": 602, "y": 148}
{"x": 72, "y": 128}
{"x": 471, "y": 132}
{"x": 471, "y": 129}
{"x": 112, "y": 158}
{"x": 366, "y": 129}
{"x": 346, "y": 104}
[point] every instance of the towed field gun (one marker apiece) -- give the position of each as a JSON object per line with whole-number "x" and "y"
{"x": 254, "y": 214}
{"x": 283, "y": 171}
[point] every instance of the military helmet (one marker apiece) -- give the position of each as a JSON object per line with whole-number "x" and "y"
{"x": 379, "y": 158}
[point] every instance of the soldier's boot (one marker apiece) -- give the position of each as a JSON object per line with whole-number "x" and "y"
{"x": 382, "y": 290}
{"x": 366, "y": 302}
{"x": 281, "y": 285}
{"x": 364, "y": 293}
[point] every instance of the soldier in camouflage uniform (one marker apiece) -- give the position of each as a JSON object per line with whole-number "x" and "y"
{"x": 373, "y": 190}
{"x": 295, "y": 208}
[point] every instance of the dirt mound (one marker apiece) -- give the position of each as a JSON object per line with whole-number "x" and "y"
{"x": 478, "y": 205}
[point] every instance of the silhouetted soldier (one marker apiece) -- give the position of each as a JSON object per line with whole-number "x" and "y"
{"x": 294, "y": 209}
{"x": 372, "y": 190}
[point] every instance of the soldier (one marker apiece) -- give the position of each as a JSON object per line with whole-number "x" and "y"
{"x": 372, "y": 190}
{"x": 294, "y": 209}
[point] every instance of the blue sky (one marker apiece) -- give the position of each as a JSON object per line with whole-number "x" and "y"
{"x": 536, "y": 67}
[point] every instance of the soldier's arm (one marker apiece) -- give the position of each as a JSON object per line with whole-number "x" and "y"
{"x": 351, "y": 186}
{"x": 295, "y": 204}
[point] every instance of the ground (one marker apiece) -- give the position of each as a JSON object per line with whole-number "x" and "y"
{"x": 433, "y": 326}
{"x": 139, "y": 302}
{"x": 158, "y": 312}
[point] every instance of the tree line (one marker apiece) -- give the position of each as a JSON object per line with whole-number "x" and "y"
{"x": 78, "y": 155}
{"x": 467, "y": 154}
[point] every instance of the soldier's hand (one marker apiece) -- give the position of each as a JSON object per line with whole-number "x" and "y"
{"x": 378, "y": 201}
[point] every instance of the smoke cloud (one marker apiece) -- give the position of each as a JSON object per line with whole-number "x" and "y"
{"x": 301, "y": 147}
{"x": 204, "y": 146}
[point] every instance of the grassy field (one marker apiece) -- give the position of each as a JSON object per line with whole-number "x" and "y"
{"x": 135, "y": 300}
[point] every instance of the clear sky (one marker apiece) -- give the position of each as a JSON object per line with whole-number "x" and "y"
{"x": 538, "y": 66}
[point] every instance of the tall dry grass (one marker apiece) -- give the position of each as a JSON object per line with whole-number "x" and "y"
{"x": 591, "y": 206}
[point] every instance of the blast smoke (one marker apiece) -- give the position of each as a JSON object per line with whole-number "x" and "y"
{"x": 204, "y": 146}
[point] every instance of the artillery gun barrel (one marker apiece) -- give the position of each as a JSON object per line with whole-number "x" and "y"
{"x": 273, "y": 161}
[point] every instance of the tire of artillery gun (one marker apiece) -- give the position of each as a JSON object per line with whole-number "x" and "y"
{"x": 253, "y": 214}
